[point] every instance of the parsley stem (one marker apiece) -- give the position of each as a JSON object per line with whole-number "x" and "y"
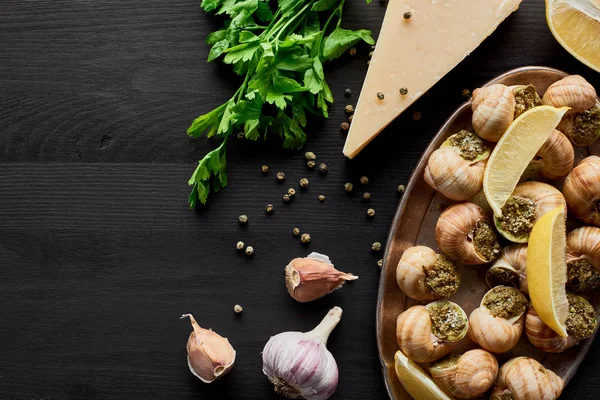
{"x": 299, "y": 13}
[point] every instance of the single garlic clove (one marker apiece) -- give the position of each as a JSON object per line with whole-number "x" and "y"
{"x": 210, "y": 356}
{"x": 299, "y": 364}
{"x": 582, "y": 190}
{"x": 312, "y": 277}
{"x": 572, "y": 91}
{"x": 525, "y": 378}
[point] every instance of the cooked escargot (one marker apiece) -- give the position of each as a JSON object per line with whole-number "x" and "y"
{"x": 510, "y": 269}
{"x": 583, "y": 259}
{"x": 582, "y": 190}
{"x": 523, "y": 378}
{"x": 493, "y": 110}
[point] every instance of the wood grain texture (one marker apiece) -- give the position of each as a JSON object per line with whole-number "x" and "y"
{"x": 99, "y": 254}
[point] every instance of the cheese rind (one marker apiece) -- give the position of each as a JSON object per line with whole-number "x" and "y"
{"x": 415, "y": 53}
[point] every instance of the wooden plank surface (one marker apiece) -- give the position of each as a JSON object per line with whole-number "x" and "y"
{"x": 99, "y": 255}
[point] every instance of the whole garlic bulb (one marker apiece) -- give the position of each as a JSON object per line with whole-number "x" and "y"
{"x": 555, "y": 158}
{"x": 422, "y": 274}
{"x": 465, "y": 376}
{"x": 465, "y": 234}
{"x": 583, "y": 128}
{"x": 497, "y": 324}
{"x": 312, "y": 277}
{"x": 428, "y": 333}
{"x": 583, "y": 259}
{"x": 510, "y": 269}
{"x": 456, "y": 169}
{"x": 299, "y": 364}
{"x": 493, "y": 111}
{"x": 523, "y": 378}
{"x": 210, "y": 356}
{"x": 581, "y": 324}
{"x": 572, "y": 91}
{"x": 582, "y": 190}
{"x": 528, "y": 202}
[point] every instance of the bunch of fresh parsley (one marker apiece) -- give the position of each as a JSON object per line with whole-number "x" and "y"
{"x": 280, "y": 54}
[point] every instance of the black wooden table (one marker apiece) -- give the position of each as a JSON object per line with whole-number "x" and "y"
{"x": 99, "y": 254}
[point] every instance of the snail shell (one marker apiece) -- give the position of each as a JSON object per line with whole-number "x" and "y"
{"x": 465, "y": 234}
{"x": 466, "y": 376}
{"x": 420, "y": 330}
{"x": 582, "y": 190}
{"x": 497, "y": 324}
{"x": 529, "y": 201}
{"x": 582, "y": 128}
{"x": 422, "y": 274}
{"x": 556, "y": 157}
{"x": 510, "y": 269}
{"x": 493, "y": 111}
{"x": 456, "y": 169}
{"x": 583, "y": 259}
{"x": 572, "y": 91}
{"x": 524, "y": 378}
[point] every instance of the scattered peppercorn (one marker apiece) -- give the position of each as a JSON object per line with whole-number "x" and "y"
{"x": 403, "y": 91}
{"x": 322, "y": 168}
{"x": 264, "y": 169}
{"x": 311, "y": 164}
{"x": 466, "y": 93}
{"x": 237, "y": 309}
{"x": 269, "y": 209}
{"x": 376, "y": 246}
{"x": 371, "y": 212}
{"x": 407, "y": 15}
{"x": 350, "y": 117}
{"x": 286, "y": 198}
{"x": 243, "y": 219}
{"x": 380, "y": 263}
{"x": 309, "y": 155}
{"x": 349, "y": 108}
{"x": 322, "y": 198}
{"x": 249, "y": 251}
{"x": 240, "y": 245}
{"x": 348, "y": 187}
{"x": 241, "y": 135}
{"x": 280, "y": 176}
{"x": 291, "y": 192}
{"x": 305, "y": 238}
{"x": 296, "y": 231}
{"x": 401, "y": 189}
{"x": 352, "y": 51}
{"x": 380, "y": 95}
{"x": 344, "y": 126}
{"x": 366, "y": 196}
{"x": 348, "y": 92}
{"x": 416, "y": 115}
{"x": 364, "y": 180}
{"x": 371, "y": 54}
{"x": 304, "y": 183}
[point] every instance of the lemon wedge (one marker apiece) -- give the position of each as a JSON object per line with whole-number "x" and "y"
{"x": 415, "y": 381}
{"x": 515, "y": 150}
{"x": 547, "y": 270}
{"x": 576, "y": 26}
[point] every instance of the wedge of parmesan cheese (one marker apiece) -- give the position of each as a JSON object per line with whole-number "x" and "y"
{"x": 416, "y": 52}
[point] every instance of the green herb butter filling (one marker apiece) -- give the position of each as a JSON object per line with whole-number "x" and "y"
{"x": 526, "y": 98}
{"x": 485, "y": 241}
{"x": 518, "y": 216}
{"x": 469, "y": 145}
{"x": 582, "y": 276}
{"x": 582, "y": 320}
{"x": 586, "y": 126}
{"x": 448, "y": 322}
{"x": 443, "y": 278}
{"x": 505, "y": 302}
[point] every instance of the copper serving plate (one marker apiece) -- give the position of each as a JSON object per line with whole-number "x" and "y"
{"x": 414, "y": 223}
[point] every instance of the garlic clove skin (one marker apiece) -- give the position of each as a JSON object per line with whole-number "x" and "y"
{"x": 465, "y": 234}
{"x": 422, "y": 274}
{"x": 210, "y": 356}
{"x": 523, "y": 378}
{"x": 466, "y": 376}
{"x": 493, "y": 111}
{"x": 497, "y": 324}
{"x": 583, "y": 259}
{"x": 299, "y": 364}
{"x": 582, "y": 190}
{"x": 572, "y": 91}
{"x": 528, "y": 202}
{"x": 510, "y": 269}
{"x": 555, "y": 158}
{"x": 423, "y": 334}
{"x": 312, "y": 277}
{"x": 456, "y": 169}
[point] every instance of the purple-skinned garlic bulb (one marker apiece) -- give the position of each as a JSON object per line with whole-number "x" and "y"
{"x": 299, "y": 364}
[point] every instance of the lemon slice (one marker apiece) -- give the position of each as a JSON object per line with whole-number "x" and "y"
{"x": 547, "y": 270}
{"x": 515, "y": 150}
{"x": 576, "y": 26}
{"x": 416, "y": 382}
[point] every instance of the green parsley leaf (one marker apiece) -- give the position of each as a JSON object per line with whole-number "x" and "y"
{"x": 324, "y": 5}
{"x": 207, "y": 122}
{"x": 340, "y": 40}
{"x": 216, "y": 36}
{"x": 263, "y": 12}
{"x": 209, "y": 174}
{"x": 218, "y": 49}
{"x": 210, "y": 5}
